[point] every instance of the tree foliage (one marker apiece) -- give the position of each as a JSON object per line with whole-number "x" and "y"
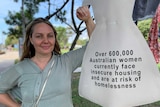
{"x": 15, "y": 19}
{"x": 81, "y": 42}
{"x": 62, "y": 36}
{"x": 11, "y": 40}
{"x": 144, "y": 27}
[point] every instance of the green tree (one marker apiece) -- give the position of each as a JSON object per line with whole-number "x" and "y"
{"x": 81, "y": 42}
{"x": 62, "y": 36}
{"x": 11, "y": 40}
{"x": 15, "y": 19}
{"x": 144, "y": 27}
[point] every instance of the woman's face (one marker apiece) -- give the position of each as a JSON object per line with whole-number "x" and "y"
{"x": 43, "y": 39}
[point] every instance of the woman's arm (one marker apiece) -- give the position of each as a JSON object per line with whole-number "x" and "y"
{"x": 83, "y": 13}
{"x": 6, "y": 100}
{"x": 6, "y": 84}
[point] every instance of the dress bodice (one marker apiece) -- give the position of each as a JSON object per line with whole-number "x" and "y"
{"x": 109, "y": 11}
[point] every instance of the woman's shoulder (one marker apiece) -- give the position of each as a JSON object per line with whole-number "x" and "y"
{"x": 23, "y": 62}
{"x": 22, "y": 65}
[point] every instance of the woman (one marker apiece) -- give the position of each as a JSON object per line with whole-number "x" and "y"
{"x": 42, "y": 55}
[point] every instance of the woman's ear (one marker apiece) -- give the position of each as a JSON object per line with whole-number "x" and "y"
{"x": 30, "y": 39}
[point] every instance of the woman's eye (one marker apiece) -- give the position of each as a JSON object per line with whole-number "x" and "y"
{"x": 51, "y": 36}
{"x": 38, "y": 36}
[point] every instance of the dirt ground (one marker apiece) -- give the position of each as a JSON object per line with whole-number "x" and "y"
{"x": 9, "y": 55}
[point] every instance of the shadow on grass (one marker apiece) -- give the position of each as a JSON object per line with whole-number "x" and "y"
{"x": 77, "y": 100}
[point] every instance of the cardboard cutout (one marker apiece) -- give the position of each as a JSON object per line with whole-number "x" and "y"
{"x": 118, "y": 68}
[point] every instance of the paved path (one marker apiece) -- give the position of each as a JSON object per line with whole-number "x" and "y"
{"x": 6, "y": 60}
{"x": 9, "y": 55}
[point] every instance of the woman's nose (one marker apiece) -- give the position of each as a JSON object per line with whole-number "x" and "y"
{"x": 45, "y": 40}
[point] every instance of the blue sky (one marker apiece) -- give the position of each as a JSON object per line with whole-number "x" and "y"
{"x": 7, "y": 5}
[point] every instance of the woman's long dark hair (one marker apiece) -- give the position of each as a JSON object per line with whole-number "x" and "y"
{"x": 28, "y": 48}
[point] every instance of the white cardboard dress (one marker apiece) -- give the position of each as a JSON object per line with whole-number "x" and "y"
{"x": 118, "y": 68}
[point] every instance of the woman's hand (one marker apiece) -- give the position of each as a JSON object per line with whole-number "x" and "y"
{"x": 5, "y": 99}
{"x": 83, "y": 14}
{"x": 16, "y": 105}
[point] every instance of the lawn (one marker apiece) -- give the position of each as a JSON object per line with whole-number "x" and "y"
{"x": 77, "y": 100}
{"x": 81, "y": 102}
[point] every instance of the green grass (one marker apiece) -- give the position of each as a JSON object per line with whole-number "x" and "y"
{"x": 64, "y": 50}
{"x": 81, "y": 102}
{"x": 77, "y": 100}
{"x": 158, "y": 66}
